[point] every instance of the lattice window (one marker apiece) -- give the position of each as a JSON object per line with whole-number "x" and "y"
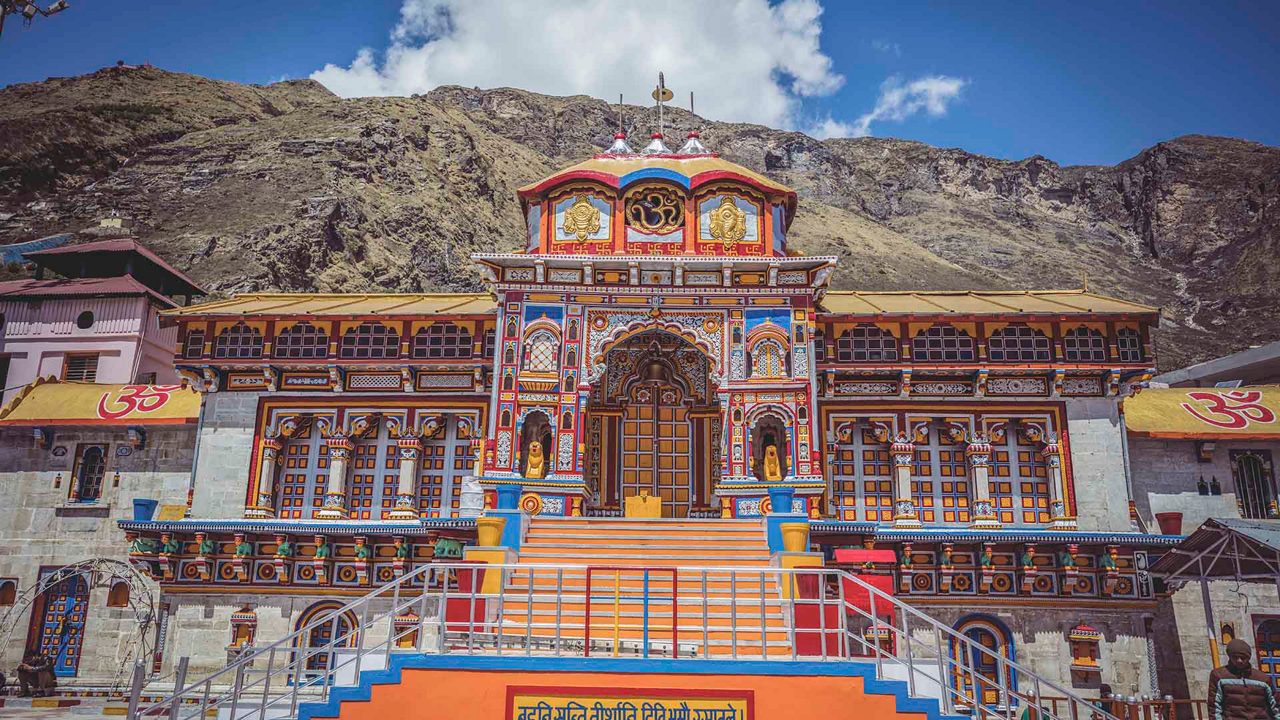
{"x": 238, "y": 342}
{"x": 442, "y": 340}
{"x": 767, "y": 360}
{"x": 1018, "y": 343}
{"x": 1019, "y": 481}
{"x": 1267, "y": 635}
{"x": 942, "y": 343}
{"x": 304, "y": 472}
{"x": 862, "y": 479}
{"x": 81, "y": 367}
{"x": 490, "y": 343}
{"x": 375, "y": 466}
{"x": 1129, "y": 345}
{"x": 940, "y": 479}
{"x": 370, "y": 340}
{"x": 301, "y": 341}
{"x": 1084, "y": 344}
{"x": 819, "y": 345}
{"x": 446, "y": 458}
{"x": 866, "y": 343}
{"x": 540, "y": 352}
{"x": 193, "y": 344}
{"x": 91, "y": 467}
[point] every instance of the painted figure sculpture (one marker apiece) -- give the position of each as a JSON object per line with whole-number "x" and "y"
{"x": 537, "y": 468}
{"x": 772, "y": 468}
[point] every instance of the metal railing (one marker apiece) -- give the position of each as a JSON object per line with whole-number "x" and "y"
{"x": 679, "y": 613}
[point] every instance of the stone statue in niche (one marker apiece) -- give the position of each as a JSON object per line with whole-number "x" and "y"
{"x": 536, "y": 469}
{"x": 772, "y": 466}
{"x": 769, "y": 453}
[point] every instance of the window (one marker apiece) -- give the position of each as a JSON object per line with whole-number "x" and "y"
{"x": 1129, "y": 345}
{"x": 1255, "y": 483}
{"x": 240, "y": 341}
{"x": 942, "y": 343}
{"x": 301, "y": 341}
{"x": 1018, "y": 343}
{"x": 91, "y": 466}
{"x": 375, "y": 467}
{"x": 767, "y": 360}
{"x": 118, "y": 595}
{"x": 866, "y": 343}
{"x": 148, "y": 378}
{"x": 8, "y": 591}
{"x": 442, "y": 341}
{"x": 81, "y": 367}
{"x": 84, "y": 320}
{"x": 1083, "y": 344}
{"x": 193, "y": 345}
{"x": 304, "y": 473}
{"x": 540, "y": 351}
{"x": 1267, "y": 635}
{"x": 940, "y": 478}
{"x": 370, "y": 340}
{"x": 862, "y": 476}
{"x": 819, "y": 345}
{"x": 1019, "y": 479}
{"x": 490, "y": 342}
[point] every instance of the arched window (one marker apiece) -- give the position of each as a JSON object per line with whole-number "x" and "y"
{"x": 1018, "y": 343}
{"x": 866, "y": 343}
{"x": 768, "y": 360}
{"x": 571, "y": 357}
{"x": 91, "y": 465}
{"x": 975, "y": 666}
{"x": 1267, "y": 637}
{"x": 8, "y": 591}
{"x": 324, "y": 631}
{"x": 301, "y": 341}
{"x": 1084, "y": 344}
{"x": 942, "y": 343}
{"x": 540, "y": 351}
{"x": 1129, "y": 345}
{"x": 442, "y": 341}
{"x": 369, "y": 340}
{"x": 118, "y": 595}
{"x": 238, "y": 342}
{"x": 1255, "y": 483}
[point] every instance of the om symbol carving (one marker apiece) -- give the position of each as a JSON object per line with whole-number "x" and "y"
{"x": 1232, "y": 410}
{"x": 134, "y": 398}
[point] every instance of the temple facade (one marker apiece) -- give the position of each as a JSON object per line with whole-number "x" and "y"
{"x": 658, "y": 348}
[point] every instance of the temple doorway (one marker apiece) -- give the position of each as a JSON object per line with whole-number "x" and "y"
{"x": 651, "y": 426}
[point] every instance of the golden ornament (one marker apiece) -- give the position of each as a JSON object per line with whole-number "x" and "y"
{"x": 728, "y": 222}
{"x": 581, "y": 219}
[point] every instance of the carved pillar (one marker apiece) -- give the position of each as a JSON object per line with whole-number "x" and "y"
{"x": 264, "y": 504}
{"x": 406, "y": 486}
{"x": 1060, "y": 518}
{"x": 905, "y": 514}
{"x": 978, "y": 453}
{"x": 335, "y": 495}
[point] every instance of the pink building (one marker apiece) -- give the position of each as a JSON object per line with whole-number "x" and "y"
{"x": 99, "y": 322}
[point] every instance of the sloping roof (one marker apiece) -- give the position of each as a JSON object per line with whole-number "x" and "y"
{"x": 123, "y": 286}
{"x": 620, "y": 170}
{"x": 289, "y": 304}
{"x": 1254, "y": 365}
{"x": 1046, "y": 302}
{"x": 54, "y": 402}
{"x": 70, "y": 260}
{"x": 1225, "y": 549}
{"x": 1248, "y": 413}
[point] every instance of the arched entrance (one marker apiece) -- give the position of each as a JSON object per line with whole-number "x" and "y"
{"x": 653, "y": 426}
{"x": 976, "y": 669}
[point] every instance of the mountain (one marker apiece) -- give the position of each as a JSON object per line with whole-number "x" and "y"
{"x": 288, "y": 187}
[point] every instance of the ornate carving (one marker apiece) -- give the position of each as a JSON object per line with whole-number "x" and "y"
{"x": 728, "y": 223}
{"x": 581, "y": 219}
{"x": 655, "y": 210}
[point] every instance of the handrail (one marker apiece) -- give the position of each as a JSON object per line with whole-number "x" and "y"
{"x": 733, "y": 612}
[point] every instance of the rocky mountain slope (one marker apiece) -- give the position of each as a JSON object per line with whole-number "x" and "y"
{"x": 289, "y": 187}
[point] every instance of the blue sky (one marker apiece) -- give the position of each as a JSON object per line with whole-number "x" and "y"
{"x": 1079, "y": 82}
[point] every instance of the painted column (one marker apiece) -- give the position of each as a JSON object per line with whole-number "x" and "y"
{"x": 905, "y": 514}
{"x": 978, "y": 453}
{"x": 1059, "y": 518}
{"x": 406, "y": 485}
{"x": 335, "y": 495}
{"x": 264, "y": 507}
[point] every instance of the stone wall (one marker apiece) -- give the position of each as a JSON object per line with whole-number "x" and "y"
{"x": 1165, "y": 473}
{"x": 226, "y": 449}
{"x": 41, "y": 528}
{"x": 1097, "y": 464}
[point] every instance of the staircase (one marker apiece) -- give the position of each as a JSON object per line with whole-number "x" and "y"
{"x": 639, "y": 570}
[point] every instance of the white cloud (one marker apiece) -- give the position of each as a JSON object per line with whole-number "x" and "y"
{"x": 898, "y": 101}
{"x": 884, "y": 46}
{"x": 745, "y": 60}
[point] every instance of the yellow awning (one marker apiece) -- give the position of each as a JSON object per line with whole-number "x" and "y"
{"x": 1043, "y": 302}
{"x": 52, "y": 402}
{"x": 1247, "y": 413}
{"x": 345, "y": 305}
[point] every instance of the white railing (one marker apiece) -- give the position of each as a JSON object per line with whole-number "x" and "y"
{"x": 679, "y": 613}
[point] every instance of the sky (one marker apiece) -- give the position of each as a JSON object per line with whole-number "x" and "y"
{"x": 1080, "y": 82}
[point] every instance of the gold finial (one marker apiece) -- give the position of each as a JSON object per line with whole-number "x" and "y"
{"x": 661, "y": 94}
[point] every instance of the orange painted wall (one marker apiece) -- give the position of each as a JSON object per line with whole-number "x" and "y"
{"x": 482, "y": 694}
